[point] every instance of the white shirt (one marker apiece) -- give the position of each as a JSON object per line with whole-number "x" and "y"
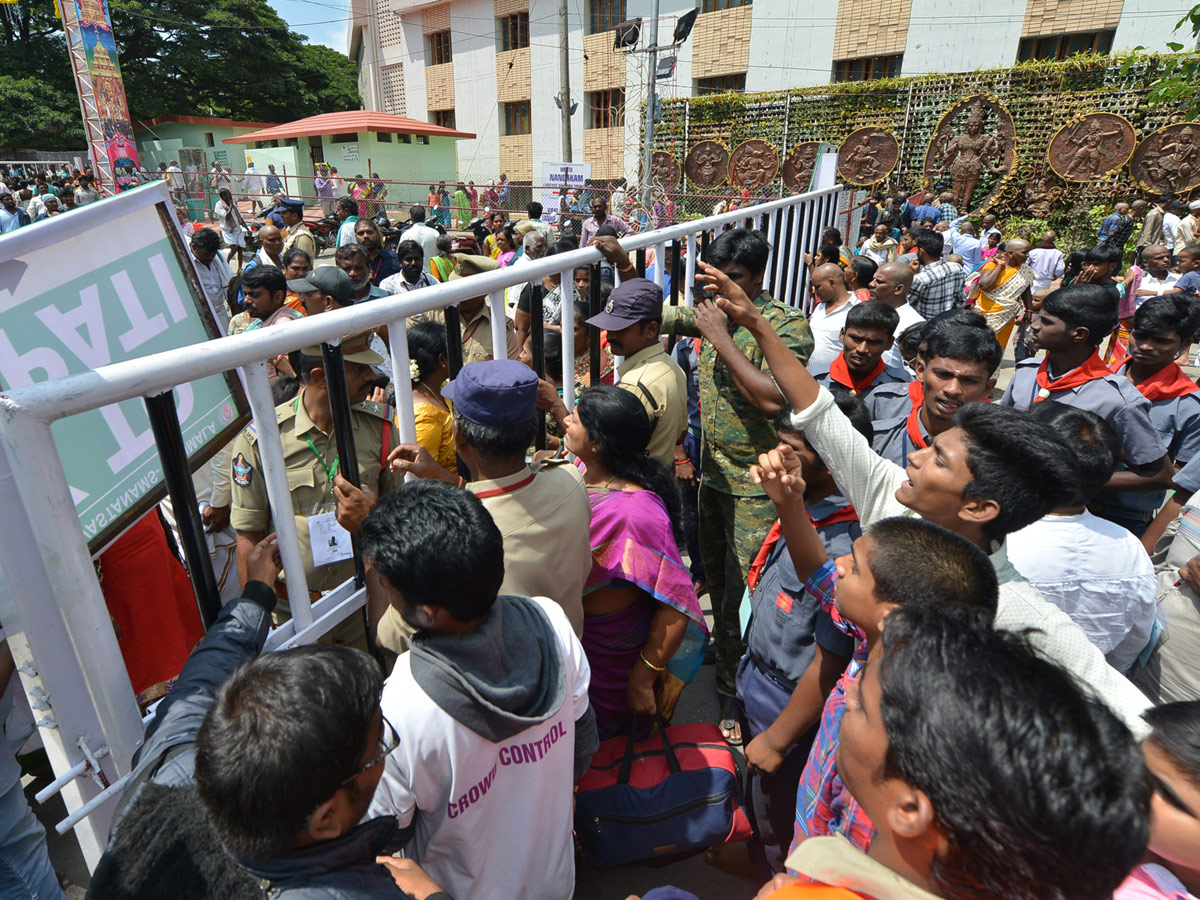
{"x": 827, "y": 334}
{"x": 1170, "y": 229}
{"x": 174, "y": 178}
{"x": 1150, "y": 283}
{"x": 426, "y": 237}
{"x": 214, "y": 278}
{"x": 346, "y": 231}
{"x": 493, "y": 820}
{"x": 1096, "y": 572}
{"x": 35, "y": 207}
{"x": 1047, "y": 263}
{"x": 908, "y": 318}
{"x": 251, "y": 180}
{"x": 870, "y": 482}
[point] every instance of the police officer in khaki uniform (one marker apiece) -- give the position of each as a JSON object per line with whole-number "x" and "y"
{"x": 299, "y": 235}
{"x": 311, "y": 456}
{"x": 543, "y": 511}
{"x": 475, "y": 314}
{"x": 632, "y": 318}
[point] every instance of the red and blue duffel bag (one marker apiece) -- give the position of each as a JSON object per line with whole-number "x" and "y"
{"x": 670, "y": 793}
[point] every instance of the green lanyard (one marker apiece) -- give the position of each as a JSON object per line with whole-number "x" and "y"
{"x": 330, "y": 470}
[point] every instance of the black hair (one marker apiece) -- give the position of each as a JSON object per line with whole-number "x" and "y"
{"x": 918, "y": 563}
{"x": 852, "y": 408}
{"x": 910, "y": 339}
{"x": 997, "y": 737}
{"x": 1018, "y": 462}
{"x": 1166, "y": 314}
{"x": 1095, "y": 443}
{"x": 617, "y": 420}
{"x": 873, "y": 314}
{"x": 206, "y": 239}
{"x": 830, "y": 253}
{"x": 534, "y": 209}
{"x": 1103, "y": 253}
{"x": 284, "y": 388}
{"x": 270, "y": 277}
{"x": 1192, "y": 250}
{"x": 437, "y": 546}
{"x": 831, "y": 235}
{"x": 497, "y": 441}
{"x": 1074, "y": 266}
{"x": 416, "y": 213}
{"x": 303, "y": 365}
{"x": 1087, "y": 306}
{"x": 291, "y": 254}
{"x": 552, "y": 354}
{"x": 346, "y": 251}
{"x": 954, "y": 341}
{"x": 407, "y": 247}
{"x": 864, "y": 269}
{"x": 739, "y": 246}
{"x": 1176, "y": 730}
{"x": 346, "y": 203}
{"x": 931, "y": 242}
{"x": 606, "y": 230}
{"x": 959, "y": 316}
{"x": 426, "y": 346}
{"x": 306, "y": 711}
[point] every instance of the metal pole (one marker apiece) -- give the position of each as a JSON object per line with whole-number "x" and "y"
{"x": 164, "y": 422}
{"x": 537, "y": 348}
{"x": 343, "y": 430}
{"x": 648, "y": 127}
{"x": 595, "y": 306}
{"x": 564, "y": 75}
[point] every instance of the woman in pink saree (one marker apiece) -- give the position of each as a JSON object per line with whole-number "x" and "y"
{"x": 638, "y": 602}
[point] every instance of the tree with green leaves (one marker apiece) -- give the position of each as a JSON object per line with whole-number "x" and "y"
{"x": 220, "y": 58}
{"x": 1179, "y": 83}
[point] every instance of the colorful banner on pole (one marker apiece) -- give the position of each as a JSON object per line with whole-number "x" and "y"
{"x": 108, "y": 90}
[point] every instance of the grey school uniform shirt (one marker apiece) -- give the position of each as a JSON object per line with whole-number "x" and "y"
{"x": 1112, "y": 397}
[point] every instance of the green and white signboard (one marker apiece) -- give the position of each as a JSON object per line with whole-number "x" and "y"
{"x": 80, "y": 300}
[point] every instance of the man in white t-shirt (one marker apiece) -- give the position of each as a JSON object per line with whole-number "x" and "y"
{"x": 490, "y": 704}
{"x": 422, "y": 234}
{"x": 829, "y": 317}
{"x": 1094, "y": 570}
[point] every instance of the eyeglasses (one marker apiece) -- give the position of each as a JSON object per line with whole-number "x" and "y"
{"x": 388, "y": 741}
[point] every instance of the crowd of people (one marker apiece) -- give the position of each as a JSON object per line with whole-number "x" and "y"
{"x": 956, "y": 630}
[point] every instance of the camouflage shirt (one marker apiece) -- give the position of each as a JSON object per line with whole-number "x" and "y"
{"x": 734, "y": 430}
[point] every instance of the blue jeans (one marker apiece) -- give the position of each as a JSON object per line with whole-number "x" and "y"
{"x": 25, "y": 870}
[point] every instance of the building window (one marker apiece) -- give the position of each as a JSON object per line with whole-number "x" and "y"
{"x": 1060, "y": 46}
{"x": 443, "y": 118}
{"x": 423, "y": 139}
{"x": 513, "y": 31}
{"x": 438, "y": 49}
{"x": 383, "y": 137}
{"x": 348, "y": 137}
{"x": 721, "y": 84}
{"x": 867, "y": 68}
{"x": 516, "y": 117}
{"x": 404, "y": 139}
{"x": 606, "y": 109}
{"x": 714, "y": 5}
{"x": 605, "y": 15}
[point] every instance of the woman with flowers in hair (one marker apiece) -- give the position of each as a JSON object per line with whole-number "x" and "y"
{"x": 429, "y": 370}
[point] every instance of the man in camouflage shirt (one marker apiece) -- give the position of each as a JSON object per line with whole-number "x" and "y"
{"x": 739, "y": 402}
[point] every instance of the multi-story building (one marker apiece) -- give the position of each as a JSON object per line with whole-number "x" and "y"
{"x": 492, "y": 66}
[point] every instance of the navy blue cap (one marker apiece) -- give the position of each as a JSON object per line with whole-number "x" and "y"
{"x": 294, "y": 205}
{"x": 494, "y": 392}
{"x": 632, "y": 301}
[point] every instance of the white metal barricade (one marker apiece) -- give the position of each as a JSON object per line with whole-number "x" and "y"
{"x": 51, "y": 605}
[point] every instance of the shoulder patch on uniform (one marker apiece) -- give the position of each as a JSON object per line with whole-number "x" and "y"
{"x": 243, "y": 472}
{"x": 382, "y": 410}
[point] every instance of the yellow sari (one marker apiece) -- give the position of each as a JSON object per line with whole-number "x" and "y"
{"x": 1002, "y": 304}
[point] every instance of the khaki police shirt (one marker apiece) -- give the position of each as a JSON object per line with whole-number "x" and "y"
{"x": 545, "y": 520}
{"x": 307, "y": 477}
{"x": 658, "y": 381}
{"x": 476, "y": 333}
{"x": 301, "y": 237}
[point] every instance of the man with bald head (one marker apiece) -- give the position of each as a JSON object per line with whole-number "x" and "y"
{"x": 1006, "y": 289}
{"x": 891, "y": 285}
{"x": 828, "y": 318}
{"x": 270, "y": 251}
{"x": 1047, "y": 263}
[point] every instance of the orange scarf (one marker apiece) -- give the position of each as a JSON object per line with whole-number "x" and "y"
{"x": 1091, "y": 370}
{"x": 839, "y": 372}
{"x": 914, "y": 429}
{"x": 844, "y": 514}
{"x": 1167, "y": 383}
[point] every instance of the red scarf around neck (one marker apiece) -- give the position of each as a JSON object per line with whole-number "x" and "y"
{"x": 842, "y": 514}
{"x": 1091, "y": 370}
{"x": 1167, "y": 383}
{"x": 914, "y": 428}
{"x": 839, "y": 372}
{"x": 916, "y": 393}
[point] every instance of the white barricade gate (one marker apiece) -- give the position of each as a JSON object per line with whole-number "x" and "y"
{"x": 51, "y": 604}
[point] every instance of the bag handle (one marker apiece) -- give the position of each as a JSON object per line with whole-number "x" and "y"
{"x": 669, "y": 751}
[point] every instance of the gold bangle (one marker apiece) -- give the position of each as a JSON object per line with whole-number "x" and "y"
{"x": 651, "y": 666}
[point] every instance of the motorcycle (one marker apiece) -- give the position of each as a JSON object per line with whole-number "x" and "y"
{"x": 325, "y": 232}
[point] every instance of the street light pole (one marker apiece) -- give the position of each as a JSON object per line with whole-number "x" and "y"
{"x": 564, "y": 72}
{"x": 648, "y": 127}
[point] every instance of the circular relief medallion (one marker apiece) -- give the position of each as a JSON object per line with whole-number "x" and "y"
{"x": 867, "y": 156}
{"x": 707, "y": 164}
{"x": 753, "y": 164}
{"x": 798, "y": 167}
{"x": 1089, "y": 149}
{"x": 1169, "y": 159}
{"x": 664, "y": 170}
{"x": 974, "y": 144}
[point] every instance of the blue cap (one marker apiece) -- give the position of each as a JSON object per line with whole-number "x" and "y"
{"x": 296, "y": 206}
{"x": 632, "y": 301}
{"x": 494, "y": 392}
